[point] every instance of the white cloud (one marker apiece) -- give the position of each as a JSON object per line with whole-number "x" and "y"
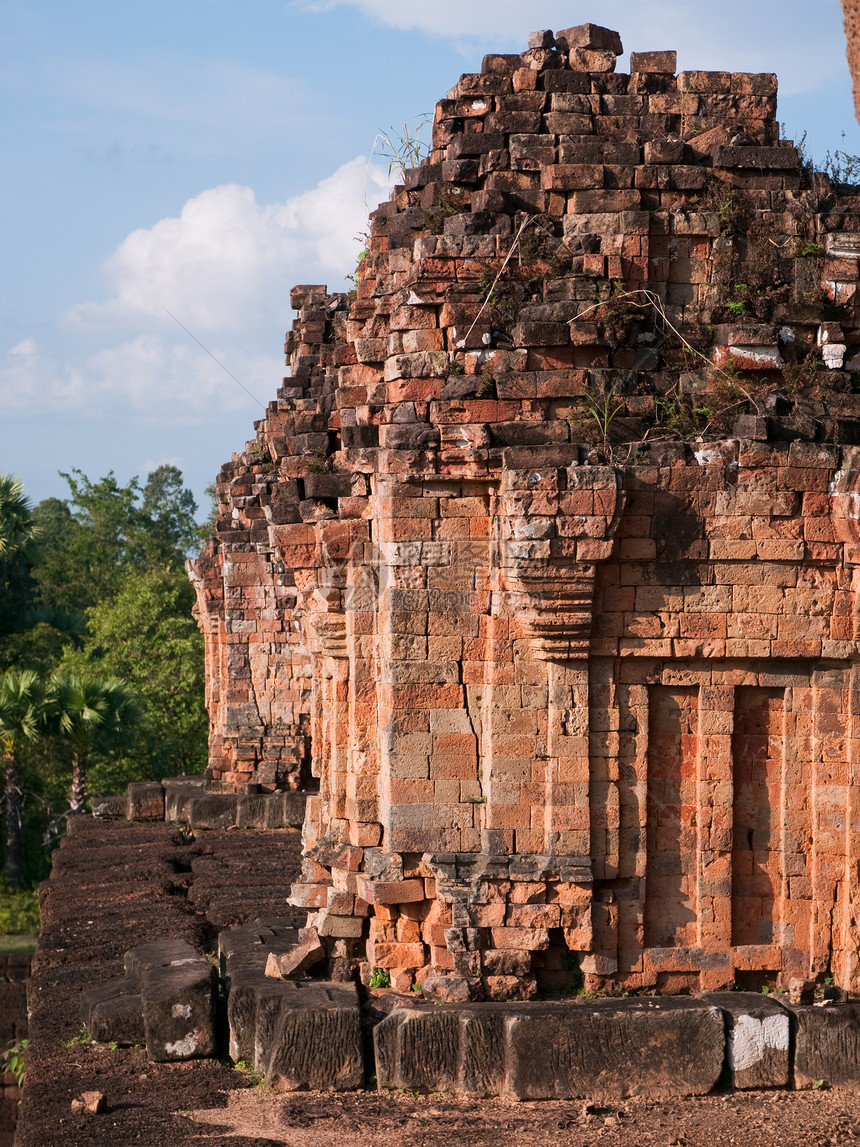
{"x": 26, "y": 348}
{"x": 226, "y": 263}
{"x": 148, "y": 378}
{"x": 803, "y": 42}
{"x": 223, "y": 267}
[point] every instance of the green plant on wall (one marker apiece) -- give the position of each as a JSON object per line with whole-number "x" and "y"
{"x": 380, "y": 978}
{"x": 404, "y": 149}
{"x": 14, "y": 1060}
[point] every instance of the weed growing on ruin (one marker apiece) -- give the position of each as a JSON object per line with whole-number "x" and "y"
{"x": 254, "y": 1077}
{"x": 803, "y": 375}
{"x": 487, "y": 386}
{"x": 810, "y": 250}
{"x": 405, "y": 149}
{"x": 359, "y": 259}
{"x": 82, "y": 1039}
{"x": 737, "y": 307}
{"x": 14, "y": 1060}
{"x": 316, "y": 462}
{"x": 594, "y": 418}
{"x": 842, "y": 167}
{"x": 381, "y": 978}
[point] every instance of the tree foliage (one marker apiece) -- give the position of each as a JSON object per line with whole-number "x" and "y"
{"x": 146, "y": 635}
{"x": 22, "y": 720}
{"x": 87, "y": 712}
{"x": 95, "y": 602}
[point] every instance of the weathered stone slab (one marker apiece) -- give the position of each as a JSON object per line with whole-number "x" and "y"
{"x": 252, "y": 811}
{"x": 110, "y": 808}
{"x": 178, "y": 799}
{"x": 145, "y": 801}
{"x": 613, "y": 1049}
{"x": 214, "y": 810}
{"x": 312, "y": 1039}
{"x": 290, "y": 964}
{"x": 178, "y": 1011}
{"x": 140, "y": 961}
{"x": 608, "y": 1049}
{"x": 113, "y": 1013}
{"x": 252, "y": 996}
{"x": 758, "y": 1041}
{"x": 827, "y": 1046}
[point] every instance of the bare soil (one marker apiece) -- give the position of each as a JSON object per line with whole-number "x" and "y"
{"x": 117, "y": 884}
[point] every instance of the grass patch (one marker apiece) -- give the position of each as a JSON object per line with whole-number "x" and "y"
{"x": 19, "y": 915}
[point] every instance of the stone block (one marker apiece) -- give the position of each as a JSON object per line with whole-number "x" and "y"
{"x": 215, "y": 810}
{"x": 178, "y": 800}
{"x": 170, "y": 953}
{"x": 145, "y": 801}
{"x": 178, "y": 1012}
{"x": 613, "y": 1052}
{"x": 665, "y": 63}
{"x": 113, "y": 1013}
{"x": 758, "y": 1039}
{"x": 110, "y": 808}
{"x": 315, "y": 1039}
{"x": 252, "y": 811}
{"x": 606, "y": 1049}
{"x": 243, "y": 1004}
{"x": 827, "y": 1046}
{"x": 590, "y": 36}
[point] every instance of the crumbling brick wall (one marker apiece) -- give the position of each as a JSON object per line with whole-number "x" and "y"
{"x": 546, "y": 551}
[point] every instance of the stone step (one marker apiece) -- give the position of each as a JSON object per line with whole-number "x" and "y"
{"x": 603, "y": 1049}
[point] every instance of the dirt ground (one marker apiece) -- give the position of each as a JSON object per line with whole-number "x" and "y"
{"x": 763, "y": 1119}
{"x": 117, "y": 884}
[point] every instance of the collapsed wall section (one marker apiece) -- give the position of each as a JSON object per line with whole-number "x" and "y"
{"x": 545, "y": 555}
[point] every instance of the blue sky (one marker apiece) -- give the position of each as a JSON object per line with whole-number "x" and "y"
{"x": 203, "y": 156}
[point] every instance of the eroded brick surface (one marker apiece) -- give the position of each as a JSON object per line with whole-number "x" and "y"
{"x": 544, "y": 559}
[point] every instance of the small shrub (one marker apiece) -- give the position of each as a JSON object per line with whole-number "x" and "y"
{"x": 19, "y": 912}
{"x": 381, "y": 978}
{"x": 14, "y": 1060}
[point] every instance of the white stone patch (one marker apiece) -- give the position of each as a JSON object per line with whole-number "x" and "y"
{"x": 760, "y": 355}
{"x": 706, "y": 457}
{"x": 183, "y": 1048}
{"x": 787, "y": 335}
{"x": 750, "y": 1038}
{"x": 834, "y": 355}
{"x": 843, "y": 246}
{"x": 181, "y": 1011}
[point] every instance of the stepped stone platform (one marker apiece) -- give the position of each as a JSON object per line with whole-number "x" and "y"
{"x": 118, "y": 886}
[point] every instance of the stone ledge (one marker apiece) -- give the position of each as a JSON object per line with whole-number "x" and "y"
{"x": 610, "y": 1049}
{"x": 190, "y": 800}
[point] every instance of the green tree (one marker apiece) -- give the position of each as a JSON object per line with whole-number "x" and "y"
{"x": 88, "y": 712}
{"x": 104, "y": 531}
{"x": 22, "y": 720}
{"x": 16, "y": 516}
{"x": 146, "y": 635}
{"x": 17, "y": 532}
{"x": 169, "y": 509}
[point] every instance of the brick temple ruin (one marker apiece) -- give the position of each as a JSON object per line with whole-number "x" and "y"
{"x": 546, "y": 559}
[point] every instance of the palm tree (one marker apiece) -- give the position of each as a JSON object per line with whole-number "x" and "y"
{"x": 16, "y": 516}
{"x": 22, "y": 719}
{"x": 83, "y": 709}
